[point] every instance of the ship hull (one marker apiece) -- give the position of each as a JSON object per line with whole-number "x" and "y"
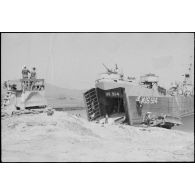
{"x": 30, "y": 99}
{"x": 135, "y": 101}
{"x": 176, "y": 106}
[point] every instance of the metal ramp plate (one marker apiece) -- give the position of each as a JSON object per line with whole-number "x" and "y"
{"x": 92, "y": 104}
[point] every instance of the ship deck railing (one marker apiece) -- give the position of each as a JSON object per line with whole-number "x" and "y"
{"x": 26, "y": 85}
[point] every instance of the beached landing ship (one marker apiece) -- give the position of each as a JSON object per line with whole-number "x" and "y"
{"x": 24, "y": 94}
{"x": 119, "y": 97}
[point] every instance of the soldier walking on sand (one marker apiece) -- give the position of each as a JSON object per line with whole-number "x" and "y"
{"x": 147, "y": 118}
{"x": 106, "y": 119}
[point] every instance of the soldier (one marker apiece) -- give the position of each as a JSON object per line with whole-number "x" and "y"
{"x": 147, "y": 118}
{"x": 25, "y": 72}
{"x": 33, "y": 77}
{"x": 116, "y": 68}
{"x": 33, "y": 73}
{"x": 106, "y": 119}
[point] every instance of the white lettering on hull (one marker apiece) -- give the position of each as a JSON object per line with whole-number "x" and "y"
{"x": 147, "y": 100}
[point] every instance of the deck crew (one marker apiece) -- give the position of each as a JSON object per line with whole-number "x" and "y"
{"x": 116, "y": 69}
{"x": 33, "y": 73}
{"x": 33, "y": 76}
{"x": 25, "y": 72}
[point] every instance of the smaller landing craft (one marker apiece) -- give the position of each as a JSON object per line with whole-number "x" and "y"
{"x": 24, "y": 94}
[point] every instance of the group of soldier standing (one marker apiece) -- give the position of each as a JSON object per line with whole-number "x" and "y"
{"x": 25, "y": 75}
{"x": 26, "y": 72}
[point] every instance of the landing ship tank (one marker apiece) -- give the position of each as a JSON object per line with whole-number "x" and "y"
{"x": 119, "y": 96}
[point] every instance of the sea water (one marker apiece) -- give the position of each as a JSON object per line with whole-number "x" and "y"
{"x": 188, "y": 124}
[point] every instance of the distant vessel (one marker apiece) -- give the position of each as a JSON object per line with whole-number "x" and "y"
{"x": 24, "y": 94}
{"x": 116, "y": 95}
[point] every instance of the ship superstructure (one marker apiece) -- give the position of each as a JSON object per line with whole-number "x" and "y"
{"x": 186, "y": 87}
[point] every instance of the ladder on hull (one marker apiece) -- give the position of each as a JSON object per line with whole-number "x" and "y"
{"x": 92, "y": 104}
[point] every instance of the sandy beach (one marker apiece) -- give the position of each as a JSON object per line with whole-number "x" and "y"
{"x": 64, "y": 137}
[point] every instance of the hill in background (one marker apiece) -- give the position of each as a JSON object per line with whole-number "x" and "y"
{"x": 61, "y": 97}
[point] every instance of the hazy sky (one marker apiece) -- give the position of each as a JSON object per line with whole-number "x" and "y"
{"x": 74, "y": 60}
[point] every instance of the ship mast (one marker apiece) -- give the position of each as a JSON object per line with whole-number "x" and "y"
{"x": 188, "y": 76}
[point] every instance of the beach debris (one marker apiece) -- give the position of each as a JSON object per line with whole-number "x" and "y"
{"x": 4, "y": 113}
{"x": 145, "y": 129}
{"x": 78, "y": 115}
{"x": 50, "y": 112}
{"x": 28, "y": 111}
